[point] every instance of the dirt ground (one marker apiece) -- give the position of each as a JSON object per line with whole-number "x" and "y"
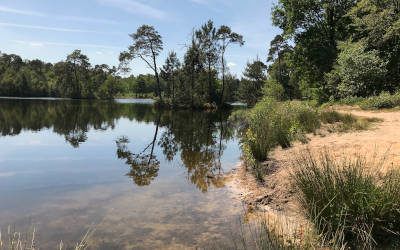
{"x": 277, "y": 199}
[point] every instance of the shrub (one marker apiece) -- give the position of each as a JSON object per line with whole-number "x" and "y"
{"x": 358, "y": 72}
{"x": 342, "y": 196}
{"x": 274, "y": 89}
{"x": 384, "y": 100}
{"x": 272, "y": 123}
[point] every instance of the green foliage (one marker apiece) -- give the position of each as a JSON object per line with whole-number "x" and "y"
{"x": 271, "y": 123}
{"x": 147, "y": 44}
{"x": 342, "y": 196}
{"x": 274, "y": 89}
{"x": 377, "y": 25}
{"x": 109, "y": 88}
{"x": 384, "y": 100}
{"x": 345, "y": 122}
{"x": 251, "y": 85}
{"x": 338, "y": 49}
{"x": 358, "y": 72}
{"x": 74, "y": 78}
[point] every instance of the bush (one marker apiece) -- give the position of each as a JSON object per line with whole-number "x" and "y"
{"x": 384, "y": 100}
{"x": 358, "y": 72}
{"x": 342, "y": 196}
{"x": 272, "y": 123}
{"x": 274, "y": 89}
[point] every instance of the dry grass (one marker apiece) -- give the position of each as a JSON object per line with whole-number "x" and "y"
{"x": 14, "y": 240}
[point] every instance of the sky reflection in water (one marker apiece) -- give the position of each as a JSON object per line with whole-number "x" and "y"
{"x": 145, "y": 178}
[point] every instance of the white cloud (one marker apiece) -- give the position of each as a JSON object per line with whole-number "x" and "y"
{"x": 199, "y": 1}
{"x": 88, "y": 19}
{"x": 59, "y": 29}
{"x": 21, "y": 12}
{"x": 75, "y": 45}
{"x": 135, "y": 7}
{"x": 7, "y": 174}
{"x": 5, "y": 9}
{"x": 231, "y": 64}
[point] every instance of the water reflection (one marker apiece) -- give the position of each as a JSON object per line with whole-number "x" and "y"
{"x": 197, "y": 139}
{"x": 143, "y": 166}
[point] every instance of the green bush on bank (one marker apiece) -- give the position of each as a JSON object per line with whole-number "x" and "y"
{"x": 385, "y": 100}
{"x": 343, "y": 197}
{"x": 382, "y": 101}
{"x": 272, "y": 123}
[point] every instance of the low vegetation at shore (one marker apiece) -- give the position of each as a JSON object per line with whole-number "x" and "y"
{"x": 272, "y": 123}
{"x": 384, "y": 100}
{"x": 347, "y": 201}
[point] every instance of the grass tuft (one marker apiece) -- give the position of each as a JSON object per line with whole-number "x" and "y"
{"x": 345, "y": 122}
{"x": 347, "y": 201}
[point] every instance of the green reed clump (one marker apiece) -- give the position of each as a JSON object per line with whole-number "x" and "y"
{"x": 342, "y": 196}
{"x": 273, "y": 123}
{"x": 382, "y": 101}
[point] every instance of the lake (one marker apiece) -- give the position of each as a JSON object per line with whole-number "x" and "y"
{"x": 140, "y": 177}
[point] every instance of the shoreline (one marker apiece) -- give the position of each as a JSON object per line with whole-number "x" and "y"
{"x": 276, "y": 198}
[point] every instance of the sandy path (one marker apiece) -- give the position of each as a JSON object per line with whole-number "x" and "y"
{"x": 276, "y": 196}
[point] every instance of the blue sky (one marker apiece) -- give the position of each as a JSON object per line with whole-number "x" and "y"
{"x": 49, "y": 29}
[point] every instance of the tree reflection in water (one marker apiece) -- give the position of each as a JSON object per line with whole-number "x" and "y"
{"x": 143, "y": 167}
{"x": 197, "y": 139}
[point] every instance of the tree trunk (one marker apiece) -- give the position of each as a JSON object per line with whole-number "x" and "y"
{"x": 223, "y": 80}
{"x": 173, "y": 90}
{"x": 209, "y": 83}
{"x": 154, "y": 140}
{"x": 157, "y": 78}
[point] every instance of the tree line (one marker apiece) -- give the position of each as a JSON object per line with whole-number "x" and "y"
{"x": 200, "y": 78}
{"x": 72, "y": 78}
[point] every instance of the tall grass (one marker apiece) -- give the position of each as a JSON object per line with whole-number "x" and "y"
{"x": 347, "y": 201}
{"x": 265, "y": 232}
{"x": 345, "y": 122}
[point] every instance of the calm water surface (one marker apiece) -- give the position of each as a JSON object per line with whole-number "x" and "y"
{"x": 143, "y": 178}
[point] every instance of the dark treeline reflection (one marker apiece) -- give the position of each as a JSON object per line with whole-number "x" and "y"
{"x": 198, "y": 139}
{"x": 69, "y": 118}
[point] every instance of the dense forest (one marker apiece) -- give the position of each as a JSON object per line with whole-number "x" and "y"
{"x": 331, "y": 50}
{"x": 73, "y": 78}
